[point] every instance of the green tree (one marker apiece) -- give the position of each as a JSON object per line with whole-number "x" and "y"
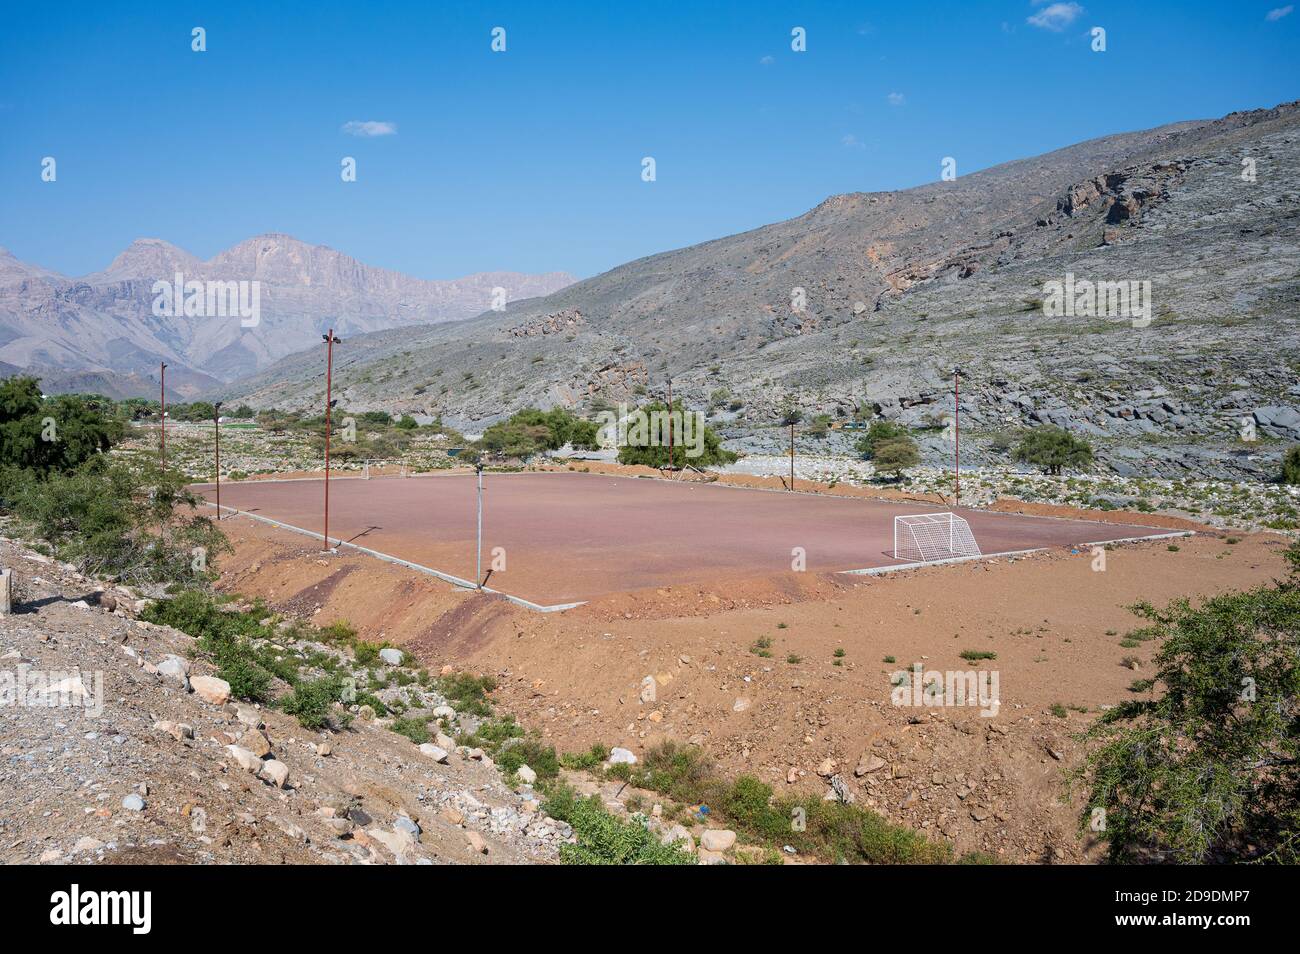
{"x": 1053, "y": 449}
{"x": 877, "y": 433}
{"x": 1291, "y": 466}
{"x": 406, "y": 423}
{"x": 895, "y": 455}
{"x": 44, "y": 435}
{"x": 1207, "y": 769}
{"x": 532, "y": 431}
{"x": 649, "y": 446}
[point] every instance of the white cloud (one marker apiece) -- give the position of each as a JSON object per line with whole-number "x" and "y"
{"x": 1056, "y": 16}
{"x": 369, "y": 128}
{"x": 767, "y": 60}
{"x": 896, "y": 99}
{"x": 1274, "y": 15}
{"x": 850, "y": 141}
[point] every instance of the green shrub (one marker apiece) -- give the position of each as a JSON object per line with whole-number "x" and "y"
{"x": 1208, "y": 769}
{"x": 417, "y": 730}
{"x": 367, "y": 654}
{"x": 603, "y": 839}
{"x": 1053, "y": 449}
{"x": 1291, "y": 466}
{"x": 895, "y": 456}
{"x": 878, "y": 433}
{"x": 467, "y": 693}
{"x": 313, "y": 702}
{"x": 588, "y": 761}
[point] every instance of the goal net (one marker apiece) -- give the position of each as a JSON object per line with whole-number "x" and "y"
{"x": 385, "y": 467}
{"x": 933, "y": 536}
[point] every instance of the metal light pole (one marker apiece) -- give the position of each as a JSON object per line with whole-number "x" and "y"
{"x": 162, "y": 412}
{"x": 216, "y": 423}
{"x": 330, "y": 341}
{"x": 671, "y": 458}
{"x": 792, "y": 455}
{"x": 478, "y": 563}
{"x": 956, "y": 430}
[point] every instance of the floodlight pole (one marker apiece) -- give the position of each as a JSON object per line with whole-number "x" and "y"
{"x": 162, "y": 413}
{"x": 216, "y": 423}
{"x": 956, "y": 431}
{"x": 330, "y": 341}
{"x": 671, "y": 459}
{"x": 478, "y": 564}
{"x": 792, "y": 455}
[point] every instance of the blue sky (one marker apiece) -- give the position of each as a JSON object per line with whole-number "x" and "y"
{"x": 531, "y": 159}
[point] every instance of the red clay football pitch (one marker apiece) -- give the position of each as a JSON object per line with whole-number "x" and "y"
{"x": 568, "y": 537}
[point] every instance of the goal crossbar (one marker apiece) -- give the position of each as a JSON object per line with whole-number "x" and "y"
{"x": 925, "y": 537}
{"x": 382, "y": 464}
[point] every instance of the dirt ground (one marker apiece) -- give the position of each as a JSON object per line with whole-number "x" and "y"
{"x": 692, "y": 652}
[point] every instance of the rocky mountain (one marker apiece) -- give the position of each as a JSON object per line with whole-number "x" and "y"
{"x": 105, "y": 323}
{"x": 864, "y": 304}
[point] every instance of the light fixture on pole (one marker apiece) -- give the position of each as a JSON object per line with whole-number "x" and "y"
{"x": 330, "y": 340}
{"x": 216, "y": 424}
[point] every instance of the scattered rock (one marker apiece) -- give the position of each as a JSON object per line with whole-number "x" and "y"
{"x": 619, "y": 756}
{"x": 277, "y": 773}
{"x": 717, "y": 839}
{"x": 435, "y": 752}
{"x": 211, "y": 689}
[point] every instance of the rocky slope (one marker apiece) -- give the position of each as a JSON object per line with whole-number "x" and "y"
{"x": 104, "y": 322}
{"x": 864, "y": 304}
{"x": 166, "y": 769}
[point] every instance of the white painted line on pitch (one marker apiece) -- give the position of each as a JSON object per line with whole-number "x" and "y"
{"x": 388, "y": 557}
{"x": 1154, "y": 536}
{"x": 877, "y": 570}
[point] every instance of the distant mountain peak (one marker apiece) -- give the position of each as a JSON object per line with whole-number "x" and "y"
{"x": 147, "y": 258}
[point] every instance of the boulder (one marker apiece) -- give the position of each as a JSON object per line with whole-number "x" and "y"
{"x": 211, "y": 689}
{"x": 717, "y": 839}
{"x": 393, "y": 657}
{"x": 619, "y": 756}
{"x": 435, "y": 752}
{"x": 277, "y": 773}
{"x": 245, "y": 759}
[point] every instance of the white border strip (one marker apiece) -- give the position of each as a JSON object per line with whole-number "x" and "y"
{"x": 877, "y": 570}
{"x": 388, "y": 557}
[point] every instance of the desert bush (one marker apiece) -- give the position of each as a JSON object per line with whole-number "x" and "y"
{"x": 1053, "y": 449}
{"x": 467, "y": 693}
{"x": 895, "y": 455}
{"x": 603, "y": 839}
{"x": 877, "y": 433}
{"x": 1207, "y": 769}
{"x": 130, "y": 521}
{"x": 312, "y": 702}
{"x": 1291, "y": 466}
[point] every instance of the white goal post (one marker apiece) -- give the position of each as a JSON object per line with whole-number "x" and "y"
{"x": 924, "y": 537}
{"x": 385, "y": 463}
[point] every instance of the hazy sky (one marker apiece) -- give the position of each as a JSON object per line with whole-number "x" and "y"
{"x": 531, "y": 159}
